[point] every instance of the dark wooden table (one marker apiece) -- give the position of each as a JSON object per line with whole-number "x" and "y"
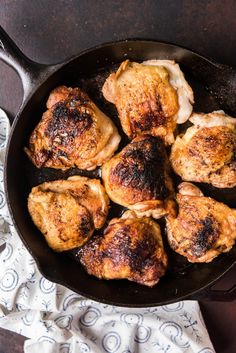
{"x": 51, "y": 30}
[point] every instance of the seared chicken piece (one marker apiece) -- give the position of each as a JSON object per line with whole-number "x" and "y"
{"x": 207, "y": 151}
{"x": 130, "y": 248}
{"x": 150, "y": 97}
{"x": 68, "y": 211}
{"x": 203, "y": 228}
{"x": 138, "y": 177}
{"x": 73, "y": 132}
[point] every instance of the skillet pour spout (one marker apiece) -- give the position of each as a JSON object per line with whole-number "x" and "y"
{"x": 88, "y": 70}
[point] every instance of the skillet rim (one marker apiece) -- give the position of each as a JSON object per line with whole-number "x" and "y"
{"x": 54, "y": 70}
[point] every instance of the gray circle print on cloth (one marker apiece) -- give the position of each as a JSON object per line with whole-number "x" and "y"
{"x": 173, "y": 307}
{"x": 174, "y": 331}
{"x": 64, "y": 348}
{"x": 132, "y": 319}
{"x": 9, "y": 280}
{"x": 111, "y": 342}
{"x": 84, "y": 348}
{"x": 90, "y": 317}
{"x": 2, "y": 199}
{"x": 206, "y": 350}
{"x": 46, "y": 339}
{"x": 46, "y": 286}
{"x": 70, "y": 299}
{"x": 64, "y": 321}
{"x": 7, "y": 252}
{"x": 143, "y": 334}
{"x": 28, "y": 318}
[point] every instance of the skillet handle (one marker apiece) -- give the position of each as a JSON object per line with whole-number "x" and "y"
{"x": 30, "y": 72}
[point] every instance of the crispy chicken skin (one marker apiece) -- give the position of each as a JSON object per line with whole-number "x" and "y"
{"x": 68, "y": 211}
{"x": 207, "y": 151}
{"x": 150, "y": 97}
{"x": 203, "y": 227}
{"x": 138, "y": 177}
{"x": 73, "y": 132}
{"x": 130, "y": 248}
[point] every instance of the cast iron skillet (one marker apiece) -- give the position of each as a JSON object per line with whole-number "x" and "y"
{"x": 89, "y": 70}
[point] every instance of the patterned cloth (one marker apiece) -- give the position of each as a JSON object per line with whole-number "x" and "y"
{"x": 57, "y": 320}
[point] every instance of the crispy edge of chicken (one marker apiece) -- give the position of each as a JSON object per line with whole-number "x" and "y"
{"x": 73, "y": 132}
{"x": 138, "y": 177}
{"x": 130, "y": 248}
{"x": 202, "y": 228}
{"x": 150, "y": 97}
{"x": 207, "y": 151}
{"x": 67, "y": 211}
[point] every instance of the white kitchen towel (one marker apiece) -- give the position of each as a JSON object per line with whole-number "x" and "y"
{"x": 57, "y": 320}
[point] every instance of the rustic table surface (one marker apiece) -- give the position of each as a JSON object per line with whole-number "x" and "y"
{"x": 49, "y": 31}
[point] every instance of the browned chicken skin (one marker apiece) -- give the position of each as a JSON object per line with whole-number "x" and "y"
{"x": 68, "y": 211}
{"x": 138, "y": 177}
{"x": 150, "y": 97}
{"x": 203, "y": 227}
{"x": 131, "y": 248}
{"x": 207, "y": 151}
{"x": 73, "y": 132}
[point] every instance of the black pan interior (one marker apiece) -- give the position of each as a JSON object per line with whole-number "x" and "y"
{"x": 89, "y": 72}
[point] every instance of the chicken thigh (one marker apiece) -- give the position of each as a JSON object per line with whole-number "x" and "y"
{"x": 130, "y": 248}
{"x": 150, "y": 97}
{"x": 73, "y": 132}
{"x": 203, "y": 227}
{"x": 138, "y": 177}
{"x": 68, "y": 211}
{"x": 207, "y": 151}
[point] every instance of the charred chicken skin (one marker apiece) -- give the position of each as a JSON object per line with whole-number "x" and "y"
{"x": 203, "y": 227}
{"x": 130, "y": 248}
{"x": 73, "y": 132}
{"x": 207, "y": 151}
{"x": 68, "y": 211}
{"x": 138, "y": 177}
{"x": 151, "y": 98}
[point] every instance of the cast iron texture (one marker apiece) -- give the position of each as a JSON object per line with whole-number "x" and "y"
{"x": 89, "y": 70}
